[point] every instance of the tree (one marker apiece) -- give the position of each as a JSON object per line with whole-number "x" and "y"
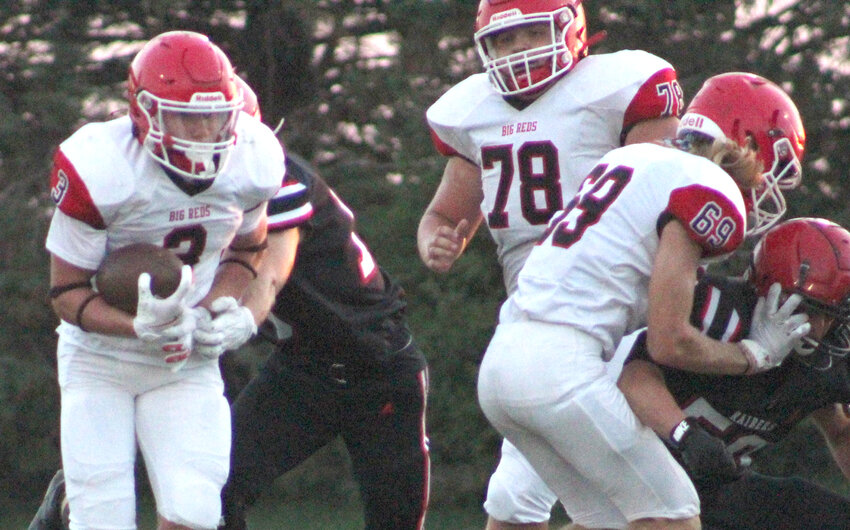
{"x": 353, "y": 79}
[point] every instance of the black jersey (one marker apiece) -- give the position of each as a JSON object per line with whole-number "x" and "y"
{"x": 337, "y": 294}
{"x": 748, "y": 412}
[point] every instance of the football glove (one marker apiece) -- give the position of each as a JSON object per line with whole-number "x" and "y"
{"x": 166, "y": 323}
{"x": 163, "y": 318}
{"x": 176, "y": 351}
{"x": 774, "y": 330}
{"x": 231, "y": 327}
{"x": 705, "y": 457}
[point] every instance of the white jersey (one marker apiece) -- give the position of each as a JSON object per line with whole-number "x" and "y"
{"x": 110, "y": 192}
{"x": 533, "y": 157}
{"x": 592, "y": 270}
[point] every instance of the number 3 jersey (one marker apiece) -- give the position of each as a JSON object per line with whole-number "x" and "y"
{"x": 109, "y": 192}
{"x": 533, "y": 157}
{"x": 592, "y": 269}
{"x": 747, "y": 412}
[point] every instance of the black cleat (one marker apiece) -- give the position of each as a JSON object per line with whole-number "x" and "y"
{"x": 53, "y": 512}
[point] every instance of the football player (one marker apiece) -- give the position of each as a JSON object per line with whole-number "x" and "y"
{"x": 181, "y": 171}
{"x": 624, "y": 252}
{"x": 519, "y": 140}
{"x": 808, "y": 258}
{"x": 350, "y": 367}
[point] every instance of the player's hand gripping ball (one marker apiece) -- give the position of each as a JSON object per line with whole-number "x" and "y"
{"x": 117, "y": 278}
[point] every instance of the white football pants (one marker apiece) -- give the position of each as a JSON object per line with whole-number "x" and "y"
{"x": 544, "y": 387}
{"x": 180, "y": 420}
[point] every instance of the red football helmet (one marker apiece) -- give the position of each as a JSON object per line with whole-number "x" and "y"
{"x": 754, "y": 112}
{"x": 184, "y": 101}
{"x": 810, "y": 257}
{"x": 250, "y": 105}
{"x": 529, "y": 71}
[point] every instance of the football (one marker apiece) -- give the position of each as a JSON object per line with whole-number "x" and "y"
{"x": 117, "y": 277}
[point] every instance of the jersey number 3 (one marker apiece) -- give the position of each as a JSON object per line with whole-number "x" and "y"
{"x": 539, "y": 175}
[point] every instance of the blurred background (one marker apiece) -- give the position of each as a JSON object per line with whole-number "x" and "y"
{"x": 352, "y": 80}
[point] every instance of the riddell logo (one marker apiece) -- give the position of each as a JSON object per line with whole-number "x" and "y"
{"x": 692, "y": 120}
{"x": 207, "y": 98}
{"x": 510, "y": 13}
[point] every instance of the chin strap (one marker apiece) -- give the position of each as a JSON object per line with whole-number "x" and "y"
{"x": 594, "y": 39}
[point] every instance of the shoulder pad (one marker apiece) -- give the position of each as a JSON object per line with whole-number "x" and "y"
{"x": 87, "y": 168}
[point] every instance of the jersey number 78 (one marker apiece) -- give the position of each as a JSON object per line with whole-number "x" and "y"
{"x": 545, "y": 178}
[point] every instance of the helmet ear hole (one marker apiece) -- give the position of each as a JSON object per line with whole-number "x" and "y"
{"x": 751, "y": 143}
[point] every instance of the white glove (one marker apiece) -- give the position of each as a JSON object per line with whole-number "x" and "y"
{"x": 167, "y": 324}
{"x": 232, "y": 326}
{"x": 774, "y": 330}
{"x": 160, "y": 318}
{"x": 176, "y": 352}
{"x": 207, "y": 341}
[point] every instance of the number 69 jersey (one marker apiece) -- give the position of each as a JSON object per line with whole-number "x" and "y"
{"x": 109, "y": 192}
{"x": 592, "y": 269}
{"x": 533, "y": 156}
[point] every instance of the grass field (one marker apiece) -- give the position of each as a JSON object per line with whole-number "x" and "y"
{"x": 310, "y": 514}
{"x": 272, "y": 513}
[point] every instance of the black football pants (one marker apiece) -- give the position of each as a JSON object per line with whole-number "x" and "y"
{"x": 757, "y": 501}
{"x": 292, "y": 408}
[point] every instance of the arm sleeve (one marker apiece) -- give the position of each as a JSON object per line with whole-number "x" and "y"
{"x": 711, "y": 219}
{"x": 70, "y": 194}
{"x": 75, "y": 241}
{"x": 660, "y": 96}
{"x": 290, "y": 207}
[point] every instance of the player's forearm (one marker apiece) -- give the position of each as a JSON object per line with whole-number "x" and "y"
{"x": 671, "y": 339}
{"x": 238, "y": 266}
{"x": 88, "y": 311}
{"x": 687, "y": 349}
{"x": 231, "y": 279}
{"x": 643, "y": 385}
{"x": 73, "y": 300}
{"x": 272, "y": 274}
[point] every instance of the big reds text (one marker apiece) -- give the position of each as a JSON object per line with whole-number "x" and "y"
{"x": 521, "y": 127}
{"x": 189, "y": 213}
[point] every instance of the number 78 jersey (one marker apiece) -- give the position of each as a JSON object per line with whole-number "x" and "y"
{"x": 592, "y": 269}
{"x": 533, "y": 158}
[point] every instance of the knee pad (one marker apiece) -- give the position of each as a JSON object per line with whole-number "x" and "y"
{"x": 192, "y": 496}
{"x": 517, "y": 495}
{"x": 102, "y": 496}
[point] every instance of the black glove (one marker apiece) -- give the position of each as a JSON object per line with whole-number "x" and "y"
{"x": 705, "y": 457}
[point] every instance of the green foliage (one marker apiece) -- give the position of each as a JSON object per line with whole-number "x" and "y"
{"x": 357, "y": 113}
{"x": 29, "y": 426}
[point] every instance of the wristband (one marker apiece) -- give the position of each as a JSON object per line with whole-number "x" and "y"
{"x": 58, "y": 290}
{"x": 677, "y": 434}
{"x": 238, "y": 261}
{"x": 750, "y": 348}
{"x": 82, "y": 308}
{"x": 264, "y": 244}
